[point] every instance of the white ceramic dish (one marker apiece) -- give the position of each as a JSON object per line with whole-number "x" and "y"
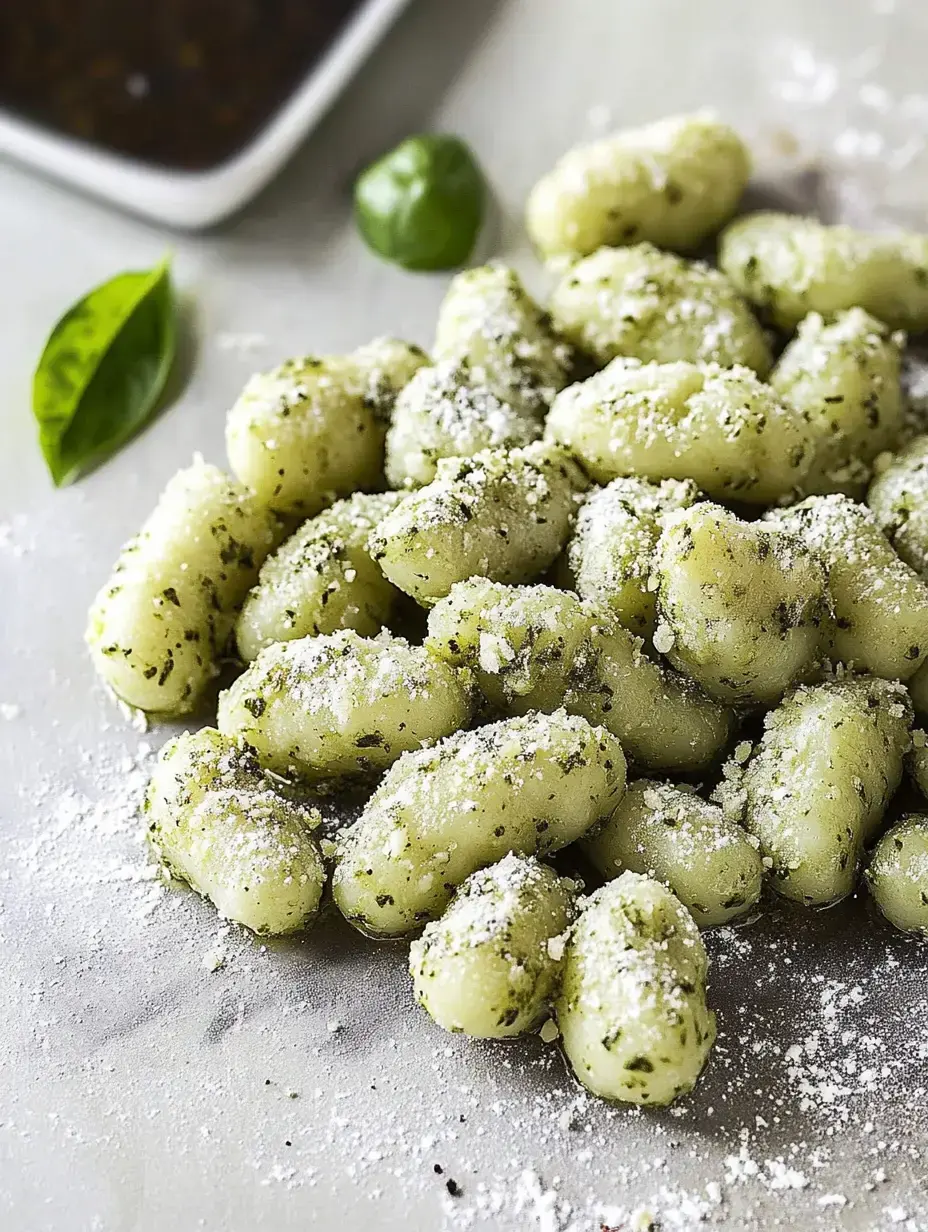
{"x": 198, "y": 199}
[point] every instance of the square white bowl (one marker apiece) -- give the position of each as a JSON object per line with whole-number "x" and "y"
{"x": 197, "y": 199}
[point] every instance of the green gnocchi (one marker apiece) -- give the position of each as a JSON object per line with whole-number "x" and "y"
{"x": 880, "y": 605}
{"x": 314, "y": 429}
{"x": 536, "y": 648}
{"x": 898, "y": 499}
{"x": 632, "y": 1008}
{"x": 817, "y": 785}
{"x": 218, "y": 822}
{"x": 321, "y": 580}
{"x": 897, "y": 875}
{"x": 444, "y": 413}
{"x": 789, "y": 266}
{"x": 528, "y": 785}
{"x": 342, "y": 705}
{"x": 720, "y": 427}
{"x": 490, "y": 965}
{"x": 161, "y": 624}
{"x": 741, "y": 608}
{"x": 610, "y": 557}
{"x": 668, "y": 832}
{"x": 657, "y": 307}
{"x": 844, "y": 376}
{"x": 502, "y": 514}
{"x": 489, "y": 321}
{"x": 673, "y": 183}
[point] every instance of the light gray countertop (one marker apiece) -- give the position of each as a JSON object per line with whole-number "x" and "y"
{"x": 295, "y": 1086}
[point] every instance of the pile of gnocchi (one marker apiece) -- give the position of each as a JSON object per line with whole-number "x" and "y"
{"x": 667, "y": 541}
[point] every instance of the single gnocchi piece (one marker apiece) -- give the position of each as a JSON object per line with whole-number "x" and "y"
{"x": 720, "y": 427}
{"x": 490, "y": 965}
{"x": 321, "y": 580}
{"x": 537, "y": 648}
{"x": 668, "y": 832}
{"x": 844, "y": 376}
{"x": 897, "y": 876}
{"x": 445, "y": 413}
{"x": 218, "y": 822}
{"x": 313, "y": 429}
{"x": 610, "y": 556}
{"x": 488, "y": 320}
{"x": 880, "y": 604}
{"x": 502, "y": 514}
{"x": 527, "y": 785}
{"x": 741, "y": 608}
{"x": 658, "y": 307}
{"x": 342, "y": 705}
{"x": 789, "y": 266}
{"x": 632, "y": 1008}
{"x": 162, "y": 622}
{"x": 673, "y": 183}
{"x": 898, "y": 499}
{"x": 818, "y": 783}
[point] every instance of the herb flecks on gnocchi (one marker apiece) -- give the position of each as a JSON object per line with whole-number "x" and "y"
{"x": 712, "y": 865}
{"x": 817, "y": 785}
{"x": 502, "y": 514}
{"x": 788, "y": 266}
{"x": 159, "y": 627}
{"x": 490, "y": 966}
{"x": 218, "y": 822}
{"x": 632, "y": 1008}
{"x": 537, "y": 648}
{"x": 654, "y": 306}
{"x": 342, "y": 705}
{"x": 741, "y": 608}
{"x": 313, "y": 429}
{"x": 527, "y": 785}
{"x": 898, "y": 499}
{"x": 721, "y": 427}
{"x": 844, "y": 376}
{"x": 897, "y": 875}
{"x": 673, "y": 183}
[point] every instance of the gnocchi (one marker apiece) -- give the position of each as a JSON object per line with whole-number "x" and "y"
{"x": 488, "y": 320}
{"x": 790, "y": 266}
{"x": 443, "y": 413}
{"x": 656, "y": 307}
{"x": 342, "y": 705}
{"x": 673, "y": 183}
{"x": 632, "y": 1008}
{"x": 880, "y": 604}
{"x": 720, "y": 427}
{"x": 321, "y": 580}
{"x": 490, "y": 965}
{"x": 898, "y": 499}
{"x": 741, "y": 608}
{"x": 897, "y": 875}
{"x": 528, "y": 785}
{"x": 610, "y": 556}
{"x": 159, "y": 627}
{"x": 503, "y": 514}
{"x": 313, "y": 429}
{"x": 668, "y": 832}
{"x": 818, "y": 783}
{"x": 844, "y": 376}
{"x": 537, "y": 648}
{"x": 218, "y": 822}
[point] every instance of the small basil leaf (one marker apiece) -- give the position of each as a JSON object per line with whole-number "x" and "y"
{"x": 421, "y": 205}
{"x": 103, "y": 369}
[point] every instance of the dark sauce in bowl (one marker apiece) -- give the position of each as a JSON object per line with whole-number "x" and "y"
{"x": 180, "y": 84}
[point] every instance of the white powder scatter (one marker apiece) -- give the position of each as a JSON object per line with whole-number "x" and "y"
{"x": 10, "y": 711}
{"x": 599, "y": 118}
{"x": 242, "y": 344}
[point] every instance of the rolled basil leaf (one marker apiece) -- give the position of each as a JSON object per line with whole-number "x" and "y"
{"x": 103, "y": 370}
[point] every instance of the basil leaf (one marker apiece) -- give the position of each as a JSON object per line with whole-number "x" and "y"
{"x": 103, "y": 370}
